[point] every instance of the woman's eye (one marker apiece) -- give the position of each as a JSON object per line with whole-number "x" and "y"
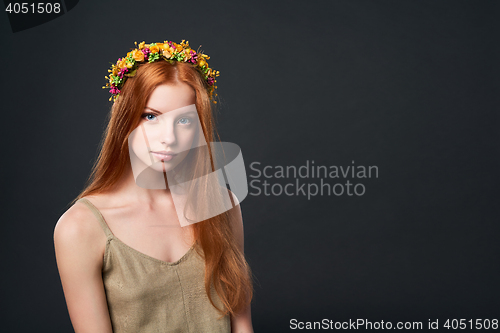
{"x": 185, "y": 121}
{"x": 149, "y": 116}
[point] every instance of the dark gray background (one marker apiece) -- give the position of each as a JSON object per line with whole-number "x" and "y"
{"x": 408, "y": 86}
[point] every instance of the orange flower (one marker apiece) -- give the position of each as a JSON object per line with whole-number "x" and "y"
{"x": 187, "y": 55}
{"x": 138, "y": 55}
{"x": 201, "y": 62}
{"x": 154, "y": 48}
{"x": 167, "y": 50}
{"x": 122, "y": 63}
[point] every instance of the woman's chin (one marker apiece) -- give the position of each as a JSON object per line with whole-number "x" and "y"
{"x": 160, "y": 166}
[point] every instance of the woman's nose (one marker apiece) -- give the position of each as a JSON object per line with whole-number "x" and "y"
{"x": 168, "y": 134}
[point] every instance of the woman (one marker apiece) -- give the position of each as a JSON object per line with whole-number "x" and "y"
{"x": 129, "y": 256}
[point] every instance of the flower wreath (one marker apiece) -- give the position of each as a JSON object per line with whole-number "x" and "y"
{"x": 169, "y": 51}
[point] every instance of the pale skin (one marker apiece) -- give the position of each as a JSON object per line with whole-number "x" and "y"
{"x": 141, "y": 218}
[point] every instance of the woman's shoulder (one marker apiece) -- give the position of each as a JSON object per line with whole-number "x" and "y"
{"x": 78, "y": 226}
{"x": 79, "y": 248}
{"x": 236, "y": 220}
{"x": 79, "y": 213}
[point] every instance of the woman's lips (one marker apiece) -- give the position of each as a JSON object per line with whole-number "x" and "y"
{"x": 164, "y": 157}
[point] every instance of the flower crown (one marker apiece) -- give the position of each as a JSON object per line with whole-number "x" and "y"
{"x": 169, "y": 51}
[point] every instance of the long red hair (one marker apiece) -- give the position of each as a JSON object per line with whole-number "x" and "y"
{"x": 225, "y": 265}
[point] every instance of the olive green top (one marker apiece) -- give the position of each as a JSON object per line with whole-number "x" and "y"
{"x": 147, "y": 295}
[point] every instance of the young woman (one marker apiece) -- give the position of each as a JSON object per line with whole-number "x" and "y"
{"x": 126, "y": 260}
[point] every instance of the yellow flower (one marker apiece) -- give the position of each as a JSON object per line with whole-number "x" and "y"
{"x": 122, "y": 63}
{"x": 201, "y": 62}
{"x": 141, "y": 45}
{"x": 187, "y": 55}
{"x": 154, "y": 49}
{"x": 167, "y": 50}
{"x": 178, "y": 47}
{"x": 138, "y": 55}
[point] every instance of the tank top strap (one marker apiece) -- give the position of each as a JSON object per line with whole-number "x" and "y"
{"x": 98, "y": 215}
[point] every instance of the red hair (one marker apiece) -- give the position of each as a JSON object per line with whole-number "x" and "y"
{"x": 225, "y": 265}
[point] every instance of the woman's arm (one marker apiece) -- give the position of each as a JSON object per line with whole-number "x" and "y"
{"x": 242, "y": 323}
{"x": 79, "y": 246}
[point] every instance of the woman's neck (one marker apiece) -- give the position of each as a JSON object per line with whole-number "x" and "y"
{"x": 127, "y": 190}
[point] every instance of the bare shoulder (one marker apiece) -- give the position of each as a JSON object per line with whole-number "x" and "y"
{"x": 79, "y": 247}
{"x": 78, "y": 228}
{"x": 77, "y": 222}
{"x": 235, "y": 199}
{"x": 236, "y": 220}
{"x": 236, "y": 210}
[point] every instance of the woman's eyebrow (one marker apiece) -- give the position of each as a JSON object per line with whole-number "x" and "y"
{"x": 186, "y": 112}
{"x": 147, "y": 107}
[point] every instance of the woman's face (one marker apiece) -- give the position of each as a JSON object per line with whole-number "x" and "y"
{"x": 168, "y": 126}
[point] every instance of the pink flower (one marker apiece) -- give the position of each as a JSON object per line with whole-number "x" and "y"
{"x": 194, "y": 57}
{"x": 122, "y": 72}
{"x": 146, "y": 52}
{"x": 114, "y": 90}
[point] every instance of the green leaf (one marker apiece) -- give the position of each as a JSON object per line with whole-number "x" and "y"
{"x": 132, "y": 73}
